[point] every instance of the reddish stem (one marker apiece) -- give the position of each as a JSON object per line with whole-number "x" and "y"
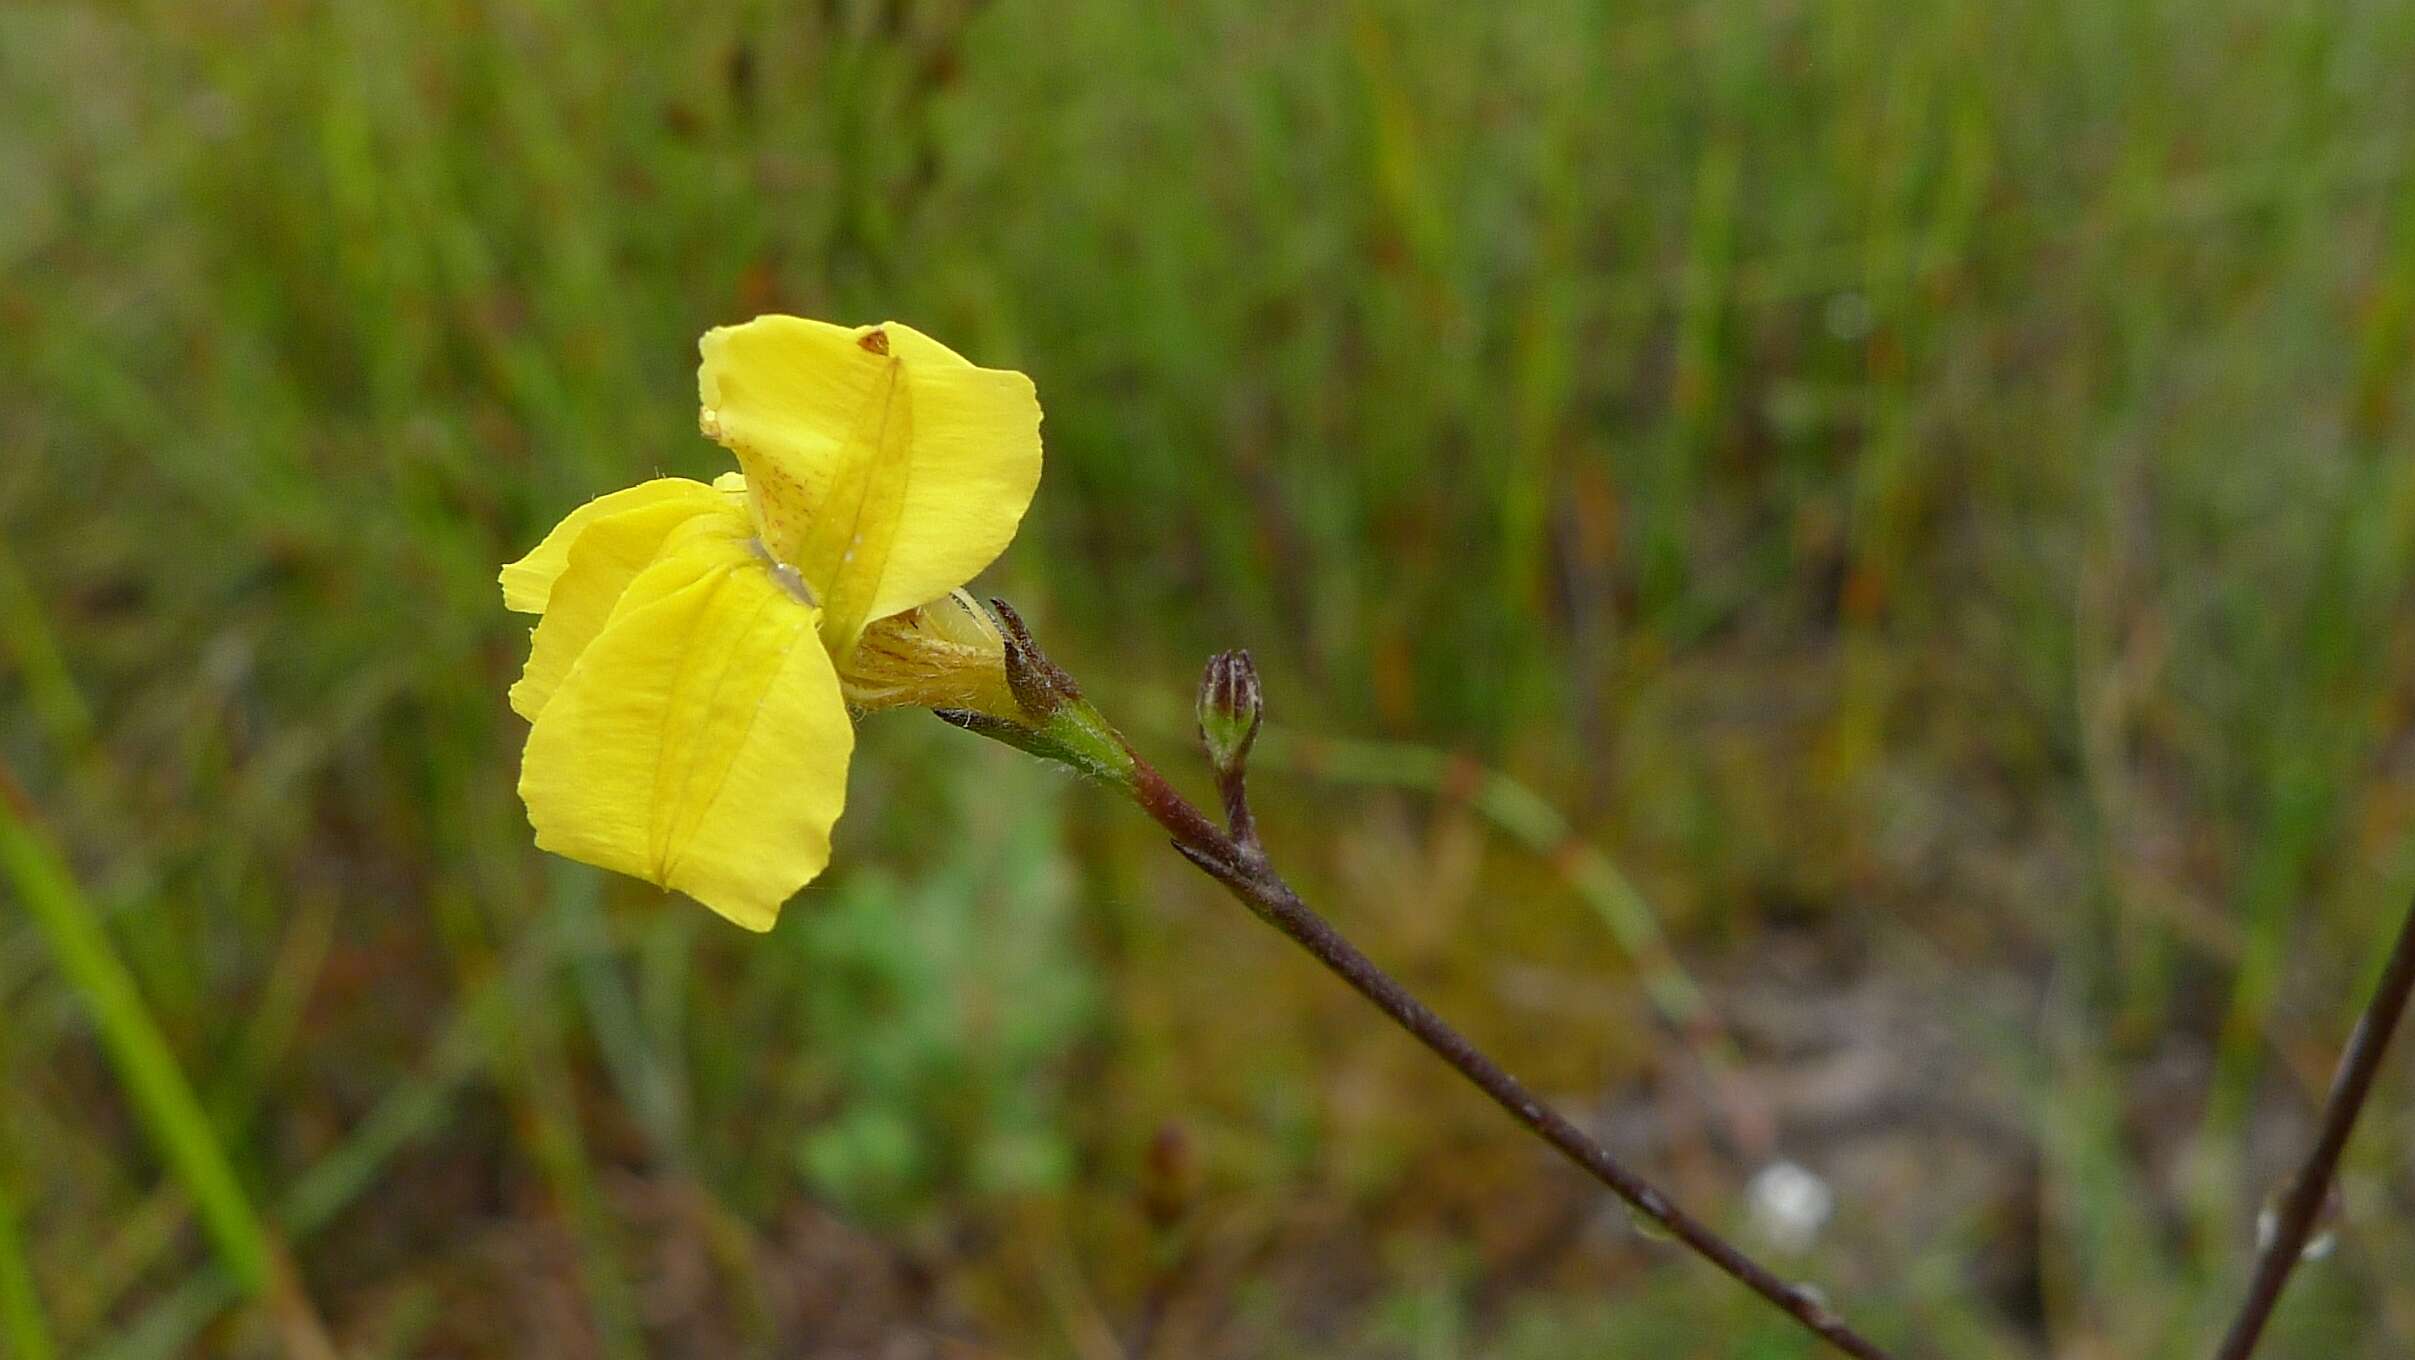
{"x": 1244, "y": 871}
{"x": 2360, "y": 1062}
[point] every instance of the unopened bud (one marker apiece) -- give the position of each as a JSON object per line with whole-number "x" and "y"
{"x": 1229, "y": 709}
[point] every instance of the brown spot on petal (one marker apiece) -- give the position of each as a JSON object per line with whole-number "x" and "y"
{"x": 875, "y": 340}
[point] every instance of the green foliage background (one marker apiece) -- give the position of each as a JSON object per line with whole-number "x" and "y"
{"x": 1928, "y": 486}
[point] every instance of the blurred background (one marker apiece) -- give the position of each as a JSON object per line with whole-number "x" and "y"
{"x": 1835, "y": 574}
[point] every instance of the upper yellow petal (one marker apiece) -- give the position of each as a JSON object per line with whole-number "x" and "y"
{"x": 608, "y": 553}
{"x": 700, "y": 741}
{"x": 915, "y": 347}
{"x": 780, "y": 392}
{"x": 976, "y": 467}
{"x": 528, "y": 582}
{"x": 883, "y": 465}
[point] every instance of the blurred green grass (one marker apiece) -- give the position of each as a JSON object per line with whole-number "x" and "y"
{"x": 1928, "y": 485}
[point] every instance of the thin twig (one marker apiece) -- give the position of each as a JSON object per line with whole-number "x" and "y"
{"x": 1057, "y": 723}
{"x": 1245, "y": 872}
{"x": 2359, "y": 1064}
{"x": 1532, "y": 821}
{"x": 1529, "y": 819}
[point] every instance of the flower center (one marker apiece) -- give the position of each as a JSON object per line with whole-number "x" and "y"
{"x": 790, "y": 579}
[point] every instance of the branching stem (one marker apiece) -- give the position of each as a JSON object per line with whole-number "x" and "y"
{"x": 1057, "y": 723}
{"x": 1245, "y": 872}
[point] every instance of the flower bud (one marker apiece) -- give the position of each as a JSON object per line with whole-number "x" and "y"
{"x": 1229, "y": 709}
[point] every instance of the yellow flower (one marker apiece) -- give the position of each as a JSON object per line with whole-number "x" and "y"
{"x": 689, "y": 683}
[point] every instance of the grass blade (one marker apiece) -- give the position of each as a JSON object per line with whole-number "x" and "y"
{"x": 144, "y": 1062}
{"x": 22, "y": 1324}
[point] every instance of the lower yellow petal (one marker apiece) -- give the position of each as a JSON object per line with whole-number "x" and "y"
{"x": 700, "y": 742}
{"x": 528, "y": 582}
{"x": 607, "y": 555}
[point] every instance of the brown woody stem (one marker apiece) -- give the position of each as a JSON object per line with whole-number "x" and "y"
{"x": 2360, "y": 1062}
{"x": 1245, "y": 872}
{"x": 1059, "y": 724}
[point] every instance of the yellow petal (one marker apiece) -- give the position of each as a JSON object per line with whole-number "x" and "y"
{"x": 527, "y": 582}
{"x": 917, "y": 348}
{"x": 700, "y": 742}
{"x": 847, "y": 541}
{"x": 607, "y": 555}
{"x": 780, "y": 392}
{"x": 883, "y": 465}
{"x": 976, "y": 465}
